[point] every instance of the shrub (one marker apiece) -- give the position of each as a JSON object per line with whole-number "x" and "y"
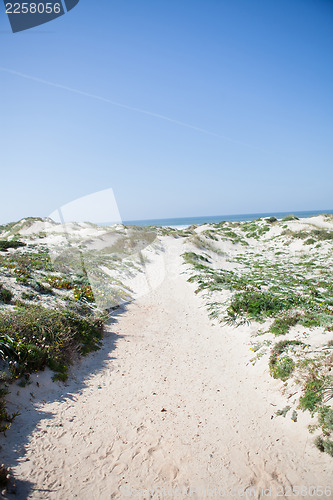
{"x": 42, "y": 337}
{"x": 282, "y": 325}
{"x": 322, "y": 234}
{"x": 312, "y": 396}
{"x": 282, "y": 369}
{"x": 7, "y": 346}
{"x": 193, "y": 258}
{"x": 324, "y": 445}
{"x": 311, "y": 319}
{"x": 257, "y": 304}
{"x": 4, "y": 245}
{"x": 314, "y": 235}
{"x": 39, "y": 287}
{"x": 326, "y": 419}
{"x": 6, "y": 418}
{"x": 4, "y": 473}
{"x": 5, "y": 295}
{"x": 84, "y": 293}
{"x": 289, "y": 217}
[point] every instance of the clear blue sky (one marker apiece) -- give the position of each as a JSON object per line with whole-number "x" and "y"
{"x": 257, "y": 75}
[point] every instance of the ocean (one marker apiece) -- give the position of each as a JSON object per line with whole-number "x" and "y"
{"x": 188, "y": 221}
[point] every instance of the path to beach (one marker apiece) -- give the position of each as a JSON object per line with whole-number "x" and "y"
{"x": 170, "y": 401}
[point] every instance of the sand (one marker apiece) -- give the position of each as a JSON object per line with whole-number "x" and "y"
{"x": 170, "y": 401}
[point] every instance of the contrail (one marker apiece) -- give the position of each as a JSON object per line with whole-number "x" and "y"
{"x": 124, "y": 106}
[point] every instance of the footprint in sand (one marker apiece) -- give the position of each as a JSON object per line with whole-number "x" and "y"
{"x": 168, "y": 472}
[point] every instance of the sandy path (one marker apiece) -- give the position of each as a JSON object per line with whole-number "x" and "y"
{"x": 106, "y": 433}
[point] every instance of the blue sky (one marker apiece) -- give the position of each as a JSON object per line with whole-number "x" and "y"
{"x": 250, "y": 81}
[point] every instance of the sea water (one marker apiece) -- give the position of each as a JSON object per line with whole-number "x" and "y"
{"x": 188, "y": 221}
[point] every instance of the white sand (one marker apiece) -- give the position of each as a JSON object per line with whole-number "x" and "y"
{"x": 105, "y": 430}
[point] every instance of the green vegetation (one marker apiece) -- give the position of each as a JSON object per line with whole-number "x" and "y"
{"x": 6, "y": 419}
{"x": 7, "y": 346}
{"x": 294, "y": 416}
{"x": 312, "y": 319}
{"x": 5, "y": 295}
{"x": 258, "y": 305}
{"x": 325, "y": 445}
{"x": 324, "y": 442}
{"x": 4, "y": 245}
{"x": 4, "y": 473}
{"x": 84, "y": 293}
{"x": 283, "y": 368}
{"x": 289, "y": 218}
{"x": 308, "y": 319}
{"x": 194, "y": 259}
{"x": 315, "y": 235}
{"x": 81, "y": 292}
{"x": 317, "y": 391}
{"x": 282, "y": 324}
{"x": 42, "y": 337}
{"x": 283, "y": 412}
{"x": 312, "y": 395}
{"x": 255, "y": 229}
{"x": 280, "y": 365}
{"x": 59, "y": 283}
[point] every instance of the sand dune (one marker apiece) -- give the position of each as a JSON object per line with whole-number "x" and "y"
{"x": 170, "y": 402}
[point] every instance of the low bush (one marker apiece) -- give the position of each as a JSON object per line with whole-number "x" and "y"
{"x": 258, "y": 304}
{"x": 326, "y": 419}
{"x": 312, "y": 319}
{"x": 289, "y": 217}
{"x": 314, "y": 235}
{"x": 193, "y": 258}
{"x": 282, "y": 369}
{"x": 324, "y": 445}
{"x": 46, "y": 337}
{"x": 281, "y": 325}
{"x": 5, "y": 295}
{"x": 6, "y": 418}
{"x": 84, "y": 293}
{"x": 7, "y": 346}
{"x": 312, "y": 396}
{"x": 4, "y": 245}
{"x": 322, "y": 234}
